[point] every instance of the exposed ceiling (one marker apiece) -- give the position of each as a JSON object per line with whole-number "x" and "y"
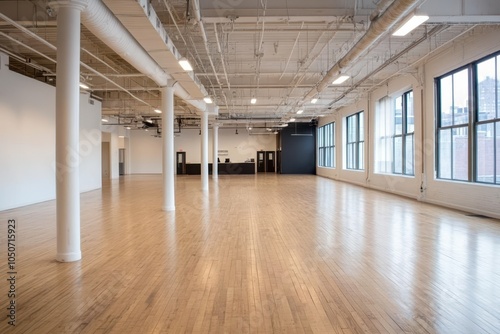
{"x": 275, "y": 51}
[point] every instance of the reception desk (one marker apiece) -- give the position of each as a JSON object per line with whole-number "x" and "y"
{"x": 224, "y": 168}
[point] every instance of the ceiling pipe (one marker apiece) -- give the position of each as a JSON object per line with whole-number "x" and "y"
{"x": 291, "y": 52}
{"x": 379, "y": 26}
{"x": 221, "y": 54}
{"x": 197, "y": 15}
{"x": 99, "y": 19}
{"x": 381, "y": 7}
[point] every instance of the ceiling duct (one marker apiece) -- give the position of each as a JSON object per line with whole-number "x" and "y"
{"x": 103, "y": 23}
{"x": 379, "y": 27}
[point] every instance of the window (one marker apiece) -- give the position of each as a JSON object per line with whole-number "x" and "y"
{"x": 326, "y": 145}
{"x": 468, "y": 123}
{"x": 395, "y": 135}
{"x": 355, "y": 141}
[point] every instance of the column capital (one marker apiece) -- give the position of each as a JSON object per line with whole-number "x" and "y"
{"x": 77, "y": 4}
{"x": 170, "y": 83}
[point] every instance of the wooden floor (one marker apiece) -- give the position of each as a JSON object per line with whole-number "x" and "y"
{"x": 256, "y": 254}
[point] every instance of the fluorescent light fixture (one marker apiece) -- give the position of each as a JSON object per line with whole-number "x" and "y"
{"x": 185, "y": 64}
{"x": 104, "y": 120}
{"x": 340, "y": 79}
{"x": 411, "y": 24}
{"x": 121, "y": 136}
{"x": 84, "y": 86}
{"x": 250, "y": 128}
{"x": 253, "y": 100}
{"x": 158, "y": 111}
{"x": 300, "y": 111}
{"x": 313, "y": 101}
{"x": 128, "y": 128}
{"x": 292, "y": 119}
{"x": 207, "y": 100}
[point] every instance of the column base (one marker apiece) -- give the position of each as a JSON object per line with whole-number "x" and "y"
{"x": 69, "y": 257}
{"x": 169, "y": 208}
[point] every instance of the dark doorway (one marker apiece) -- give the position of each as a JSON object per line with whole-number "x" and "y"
{"x": 270, "y": 162}
{"x": 261, "y": 162}
{"x": 181, "y": 163}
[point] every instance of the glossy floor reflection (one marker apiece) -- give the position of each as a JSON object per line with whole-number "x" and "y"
{"x": 256, "y": 254}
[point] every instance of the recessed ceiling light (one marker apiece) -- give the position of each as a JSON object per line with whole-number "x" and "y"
{"x": 185, "y": 64}
{"x": 253, "y": 100}
{"x": 300, "y": 111}
{"x": 340, "y": 79}
{"x": 292, "y": 119}
{"x": 208, "y": 100}
{"x": 158, "y": 111}
{"x": 313, "y": 101}
{"x": 128, "y": 128}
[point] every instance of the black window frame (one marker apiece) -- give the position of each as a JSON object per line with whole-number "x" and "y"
{"x": 326, "y": 146}
{"x": 472, "y": 124}
{"x": 359, "y": 141}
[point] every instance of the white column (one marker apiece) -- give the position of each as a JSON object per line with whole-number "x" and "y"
{"x": 215, "y": 155}
{"x": 67, "y": 131}
{"x": 167, "y": 135}
{"x": 204, "y": 150}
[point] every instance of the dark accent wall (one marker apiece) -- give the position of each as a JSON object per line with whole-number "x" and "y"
{"x": 298, "y": 149}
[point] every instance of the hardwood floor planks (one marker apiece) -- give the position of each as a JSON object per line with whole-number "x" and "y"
{"x": 256, "y": 254}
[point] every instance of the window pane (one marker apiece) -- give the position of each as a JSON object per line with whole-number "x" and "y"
{"x": 398, "y": 155}
{"x": 446, "y": 97}
{"x": 460, "y": 153}
{"x": 485, "y": 157}
{"x": 498, "y": 87}
{"x": 361, "y": 155}
{"x": 333, "y": 157}
{"x": 461, "y": 97}
{"x": 486, "y": 90}
{"x": 350, "y": 156}
{"x": 410, "y": 113}
{"x": 352, "y": 130}
{"x": 398, "y": 115}
{"x": 444, "y": 161}
{"x": 409, "y": 169}
{"x": 361, "y": 126}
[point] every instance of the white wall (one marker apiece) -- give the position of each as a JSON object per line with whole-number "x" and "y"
{"x": 477, "y": 198}
{"x": 27, "y": 141}
{"x": 146, "y": 150}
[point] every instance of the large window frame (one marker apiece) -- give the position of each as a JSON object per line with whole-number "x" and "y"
{"x": 395, "y": 135}
{"x": 355, "y": 141}
{"x": 468, "y": 132}
{"x": 326, "y": 145}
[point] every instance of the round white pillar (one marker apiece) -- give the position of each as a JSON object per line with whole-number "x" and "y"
{"x": 204, "y": 150}
{"x": 215, "y": 153}
{"x": 167, "y": 135}
{"x": 68, "y": 130}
